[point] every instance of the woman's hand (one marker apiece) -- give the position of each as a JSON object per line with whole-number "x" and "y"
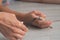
{"x": 41, "y": 23}
{"x": 10, "y": 27}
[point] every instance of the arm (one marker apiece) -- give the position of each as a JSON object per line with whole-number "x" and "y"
{"x": 6, "y": 9}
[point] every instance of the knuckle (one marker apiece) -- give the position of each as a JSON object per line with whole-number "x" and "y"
{"x": 14, "y": 29}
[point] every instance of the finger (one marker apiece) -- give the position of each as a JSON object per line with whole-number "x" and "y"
{"x": 41, "y": 23}
{"x": 17, "y": 30}
{"x": 37, "y": 22}
{"x": 21, "y": 26}
{"x": 5, "y": 34}
{"x": 18, "y": 24}
{"x": 39, "y": 13}
{"x": 14, "y": 29}
{"x": 19, "y": 39}
{"x": 17, "y": 36}
{"x": 46, "y": 24}
{"x": 5, "y": 29}
{"x": 12, "y": 38}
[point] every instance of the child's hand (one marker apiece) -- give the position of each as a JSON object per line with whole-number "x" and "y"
{"x": 32, "y": 18}
{"x": 10, "y": 27}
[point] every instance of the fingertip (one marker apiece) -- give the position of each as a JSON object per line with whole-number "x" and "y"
{"x": 26, "y": 30}
{"x": 49, "y": 22}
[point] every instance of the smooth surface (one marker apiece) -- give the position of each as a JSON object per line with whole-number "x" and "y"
{"x": 51, "y": 10}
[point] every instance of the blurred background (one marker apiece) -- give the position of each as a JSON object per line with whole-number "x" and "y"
{"x": 42, "y": 1}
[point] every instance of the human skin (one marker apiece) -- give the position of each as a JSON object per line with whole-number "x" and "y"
{"x": 22, "y": 16}
{"x": 10, "y": 27}
{"x": 7, "y": 14}
{"x": 13, "y": 29}
{"x": 43, "y": 23}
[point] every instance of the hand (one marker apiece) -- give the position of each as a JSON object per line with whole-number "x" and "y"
{"x": 10, "y": 27}
{"x": 39, "y": 23}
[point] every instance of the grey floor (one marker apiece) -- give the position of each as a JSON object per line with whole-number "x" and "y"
{"x": 51, "y": 10}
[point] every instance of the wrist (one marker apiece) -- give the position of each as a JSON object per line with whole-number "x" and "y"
{"x": 20, "y": 16}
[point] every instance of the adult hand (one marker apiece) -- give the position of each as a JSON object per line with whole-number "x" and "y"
{"x": 10, "y": 27}
{"x": 29, "y": 18}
